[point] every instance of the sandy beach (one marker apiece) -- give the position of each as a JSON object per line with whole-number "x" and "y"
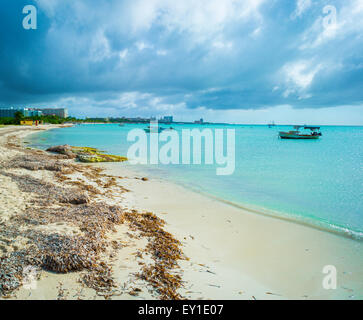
{"x": 223, "y": 252}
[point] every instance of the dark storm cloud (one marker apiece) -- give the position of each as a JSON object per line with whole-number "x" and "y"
{"x": 212, "y": 54}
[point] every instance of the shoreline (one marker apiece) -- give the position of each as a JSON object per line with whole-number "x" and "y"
{"x": 323, "y": 226}
{"x": 301, "y": 219}
{"x": 236, "y": 254}
{"x": 304, "y": 221}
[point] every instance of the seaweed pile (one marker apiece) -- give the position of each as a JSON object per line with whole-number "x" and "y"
{"x": 11, "y": 271}
{"x": 89, "y": 250}
{"x": 47, "y": 192}
{"x": 61, "y": 253}
{"x": 36, "y": 162}
{"x": 66, "y": 150}
{"x": 165, "y": 251}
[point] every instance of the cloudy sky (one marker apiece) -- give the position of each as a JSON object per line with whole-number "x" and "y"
{"x": 241, "y": 61}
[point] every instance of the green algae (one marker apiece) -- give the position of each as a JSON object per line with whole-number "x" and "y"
{"x": 93, "y": 155}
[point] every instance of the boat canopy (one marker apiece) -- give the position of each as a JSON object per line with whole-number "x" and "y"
{"x": 312, "y": 128}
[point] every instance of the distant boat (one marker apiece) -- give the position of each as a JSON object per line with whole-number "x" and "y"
{"x": 296, "y": 134}
{"x": 154, "y": 129}
{"x": 270, "y": 125}
{"x": 121, "y": 125}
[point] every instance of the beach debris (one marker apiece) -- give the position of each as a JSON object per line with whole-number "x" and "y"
{"x": 62, "y": 293}
{"x": 134, "y": 292}
{"x": 348, "y": 289}
{"x": 210, "y": 272}
{"x": 273, "y": 294}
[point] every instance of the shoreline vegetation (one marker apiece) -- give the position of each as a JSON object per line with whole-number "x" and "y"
{"x": 94, "y": 231}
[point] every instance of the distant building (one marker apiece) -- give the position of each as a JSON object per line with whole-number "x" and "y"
{"x": 32, "y": 113}
{"x": 139, "y": 120}
{"x": 167, "y": 119}
{"x": 10, "y": 112}
{"x": 59, "y": 112}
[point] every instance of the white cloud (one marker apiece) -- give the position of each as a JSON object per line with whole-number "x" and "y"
{"x": 256, "y": 32}
{"x": 301, "y": 7}
{"x": 298, "y": 76}
{"x": 141, "y": 45}
{"x": 100, "y": 48}
{"x": 196, "y": 17}
{"x": 123, "y": 54}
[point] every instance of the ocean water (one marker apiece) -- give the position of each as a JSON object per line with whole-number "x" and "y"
{"x": 318, "y": 182}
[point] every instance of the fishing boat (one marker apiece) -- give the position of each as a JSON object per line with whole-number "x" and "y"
{"x": 296, "y": 134}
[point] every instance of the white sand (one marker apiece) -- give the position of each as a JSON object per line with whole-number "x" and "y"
{"x": 249, "y": 254}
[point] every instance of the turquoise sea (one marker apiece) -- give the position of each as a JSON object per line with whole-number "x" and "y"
{"x": 315, "y": 182}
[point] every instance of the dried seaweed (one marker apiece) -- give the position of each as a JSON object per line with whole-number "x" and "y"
{"x": 65, "y": 150}
{"x": 165, "y": 251}
{"x": 48, "y": 192}
{"x": 36, "y": 162}
{"x": 85, "y": 251}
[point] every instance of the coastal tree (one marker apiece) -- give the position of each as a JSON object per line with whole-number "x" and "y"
{"x": 18, "y": 116}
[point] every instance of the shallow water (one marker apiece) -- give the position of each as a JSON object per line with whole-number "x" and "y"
{"x": 317, "y": 182}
